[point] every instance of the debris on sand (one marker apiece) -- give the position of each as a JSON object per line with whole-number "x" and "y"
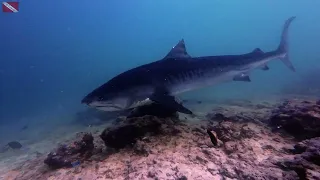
{"x": 299, "y": 118}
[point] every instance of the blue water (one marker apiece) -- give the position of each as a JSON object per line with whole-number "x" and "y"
{"x": 55, "y": 52}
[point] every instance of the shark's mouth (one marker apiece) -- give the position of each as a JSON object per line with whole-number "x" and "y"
{"x": 109, "y": 108}
{"x": 112, "y": 106}
{"x": 106, "y": 106}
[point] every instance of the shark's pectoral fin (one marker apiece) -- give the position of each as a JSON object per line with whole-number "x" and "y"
{"x": 242, "y": 77}
{"x": 169, "y": 102}
{"x": 265, "y": 67}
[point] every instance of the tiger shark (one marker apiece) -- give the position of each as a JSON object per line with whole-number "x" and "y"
{"x": 160, "y": 81}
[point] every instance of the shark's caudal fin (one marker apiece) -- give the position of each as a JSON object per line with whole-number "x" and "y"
{"x": 283, "y": 47}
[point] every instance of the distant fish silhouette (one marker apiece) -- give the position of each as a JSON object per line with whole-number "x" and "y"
{"x": 15, "y": 145}
{"x": 24, "y": 127}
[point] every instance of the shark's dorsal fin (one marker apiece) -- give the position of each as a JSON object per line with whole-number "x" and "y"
{"x": 257, "y": 51}
{"x": 178, "y": 51}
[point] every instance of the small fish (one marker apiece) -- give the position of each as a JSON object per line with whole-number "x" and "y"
{"x": 213, "y": 137}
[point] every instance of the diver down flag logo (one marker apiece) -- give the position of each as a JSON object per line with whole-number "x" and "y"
{"x": 10, "y": 7}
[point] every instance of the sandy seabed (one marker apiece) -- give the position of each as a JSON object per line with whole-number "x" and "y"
{"x": 247, "y": 147}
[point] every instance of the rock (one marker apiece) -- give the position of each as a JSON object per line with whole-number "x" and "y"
{"x": 71, "y": 155}
{"x": 151, "y": 174}
{"x": 306, "y": 161}
{"x": 289, "y": 175}
{"x": 140, "y": 148}
{"x": 212, "y": 168}
{"x": 229, "y": 131}
{"x": 182, "y": 178}
{"x": 128, "y": 131}
{"x": 254, "y": 173}
{"x": 248, "y": 130}
{"x": 225, "y": 130}
{"x": 299, "y": 119}
{"x": 261, "y": 106}
{"x": 228, "y": 171}
{"x": 218, "y": 117}
{"x": 230, "y": 147}
{"x": 198, "y": 130}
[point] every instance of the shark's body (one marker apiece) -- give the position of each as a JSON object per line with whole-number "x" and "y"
{"x": 178, "y": 72}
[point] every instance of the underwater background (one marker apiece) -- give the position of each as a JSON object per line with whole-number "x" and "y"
{"x": 55, "y": 52}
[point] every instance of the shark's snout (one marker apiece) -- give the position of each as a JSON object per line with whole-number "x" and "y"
{"x": 86, "y": 100}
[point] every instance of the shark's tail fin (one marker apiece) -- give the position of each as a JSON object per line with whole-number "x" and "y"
{"x": 283, "y": 47}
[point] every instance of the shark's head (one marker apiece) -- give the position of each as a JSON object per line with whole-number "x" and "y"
{"x": 107, "y": 101}
{"x": 125, "y": 91}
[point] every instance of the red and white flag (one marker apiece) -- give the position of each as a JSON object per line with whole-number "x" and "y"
{"x": 10, "y": 7}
